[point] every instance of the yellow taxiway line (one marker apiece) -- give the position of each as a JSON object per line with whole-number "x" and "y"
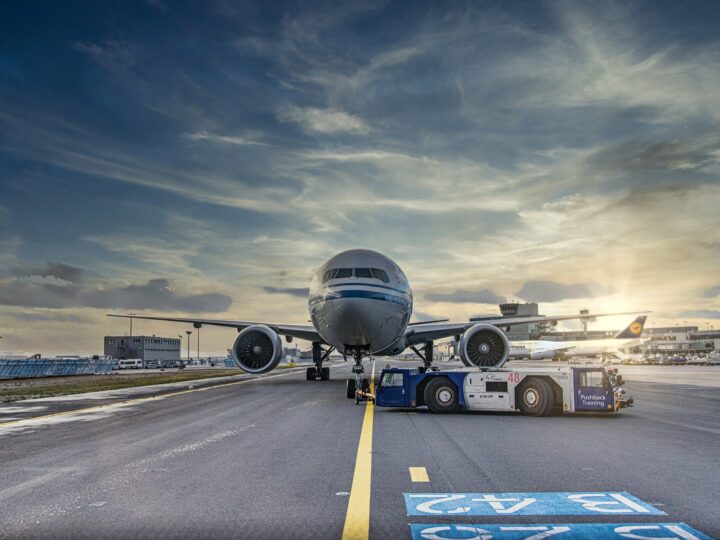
{"x": 357, "y": 519}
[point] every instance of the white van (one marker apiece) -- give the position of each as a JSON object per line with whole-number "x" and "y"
{"x": 133, "y": 363}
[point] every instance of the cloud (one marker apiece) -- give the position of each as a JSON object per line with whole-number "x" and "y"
{"x": 301, "y": 292}
{"x": 696, "y": 155}
{"x": 419, "y": 316}
{"x": 49, "y": 317}
{"x": 702, "y": 314}
{"x": 316, "y": 120}
{"x": 227, "y": 139}
{"x": 484, "y": 296}
{"x": 59, "y": 271}
{"x": 551, "y": 291}
{"x": 712, "y": 292}
{"x": 156, "y": 294}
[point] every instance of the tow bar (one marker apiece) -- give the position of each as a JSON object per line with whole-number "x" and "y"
{"x": 362, "y": 395}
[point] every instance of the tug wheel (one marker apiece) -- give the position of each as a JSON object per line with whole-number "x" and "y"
{"x": 441, "y": 395}
{"x": 535, "y": 397}
{"x": 350, "y": 388}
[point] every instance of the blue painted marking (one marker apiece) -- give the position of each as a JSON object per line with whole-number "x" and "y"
{"x": 566, "y": 531}
{"x": 356, "y": 283}
{"x": 387, "y": 297}
{"x": 528, "y": 504}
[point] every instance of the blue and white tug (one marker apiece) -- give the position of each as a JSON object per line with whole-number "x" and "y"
{"x": 533, "y": 391}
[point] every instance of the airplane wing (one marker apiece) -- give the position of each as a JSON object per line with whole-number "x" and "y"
{"x": 299, "y": 331}
{"x": 420, "y": 333}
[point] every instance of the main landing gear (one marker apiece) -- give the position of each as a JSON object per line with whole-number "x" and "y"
{"x": 319, "y": 356}
{"x": 426, "y": 355}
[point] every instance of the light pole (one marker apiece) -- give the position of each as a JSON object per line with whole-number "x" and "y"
{"x": 198, "y": 326}
{"x": 188, "y": 332}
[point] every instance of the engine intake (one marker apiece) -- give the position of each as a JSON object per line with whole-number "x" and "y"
{"x": 258, "y": 349}
{"x": 484, "y": 345}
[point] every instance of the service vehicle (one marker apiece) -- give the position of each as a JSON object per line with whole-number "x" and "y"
{"x": 533, "y": 391}
{"x": 130, "y": 363}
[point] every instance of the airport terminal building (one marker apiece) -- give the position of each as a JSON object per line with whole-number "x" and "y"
{"x": 147, "y": 348}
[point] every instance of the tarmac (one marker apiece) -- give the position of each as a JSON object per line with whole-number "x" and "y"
{"x": 276, "y": 456}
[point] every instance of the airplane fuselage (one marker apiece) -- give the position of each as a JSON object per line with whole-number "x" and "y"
{"x": 361, "y": 300}
{"x": 590, "y": 347}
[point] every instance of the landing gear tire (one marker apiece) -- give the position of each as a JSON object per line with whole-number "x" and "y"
{"x": 325, "y": 374}
{"x": 441, "y": 395}
{"x": 311, "y": 374}
{"x": 350, "y": 388}
{"x": 535, "y": 397}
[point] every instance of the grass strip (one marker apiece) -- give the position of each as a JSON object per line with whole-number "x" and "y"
{"x": 17, "y": 389}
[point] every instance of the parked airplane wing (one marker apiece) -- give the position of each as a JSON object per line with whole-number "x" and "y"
{"x": 427, "y": 332}
{"x": 299, "y": 331}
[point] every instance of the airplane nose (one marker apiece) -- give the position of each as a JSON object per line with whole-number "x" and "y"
{"x": 357, "y": 316}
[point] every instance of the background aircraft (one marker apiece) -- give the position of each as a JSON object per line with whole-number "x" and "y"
{"x": 631, "y": 336}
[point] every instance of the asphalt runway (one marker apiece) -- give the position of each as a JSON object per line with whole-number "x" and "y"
{"x": 276, "y": 458}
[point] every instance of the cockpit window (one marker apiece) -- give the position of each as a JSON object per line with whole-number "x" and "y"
{"x": 380, "y": 274}
{"x": 343, "y": 273}
{"x": 328, "y": 275}
{"x": 363, "y": 273}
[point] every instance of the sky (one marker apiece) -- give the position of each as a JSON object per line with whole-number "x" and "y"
{"x": 202, "y": 158}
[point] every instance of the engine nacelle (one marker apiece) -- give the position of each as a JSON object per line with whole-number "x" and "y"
{"x": 258, "y": 349}
{"x": 542, "y": 355}
{"x": 484, "y": 345}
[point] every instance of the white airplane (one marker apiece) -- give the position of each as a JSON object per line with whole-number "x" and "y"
{"x": 360, "y": 304}
{"x": 631, "y": 336}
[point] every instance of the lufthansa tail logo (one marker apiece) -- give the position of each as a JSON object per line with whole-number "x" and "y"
{"x": 636, "y": 328}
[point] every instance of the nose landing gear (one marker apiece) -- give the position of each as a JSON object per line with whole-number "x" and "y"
{"x": 358, "y": 387}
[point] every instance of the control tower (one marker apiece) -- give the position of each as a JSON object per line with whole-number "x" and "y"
{"x": 524, "y": 331}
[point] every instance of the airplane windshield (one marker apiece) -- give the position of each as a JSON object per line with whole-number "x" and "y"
{"x": 343, "y": 273}
{"x": 363, "y": 273}
{"x": 380, "y": 274}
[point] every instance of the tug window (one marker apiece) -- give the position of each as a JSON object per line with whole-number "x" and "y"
{"x": 591, "y": 379}
{"x": 392, "y": 379}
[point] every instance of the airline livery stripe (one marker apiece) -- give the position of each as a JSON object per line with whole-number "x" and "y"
{"x": 355, "y": 284}
{"x": 359, "y": 293}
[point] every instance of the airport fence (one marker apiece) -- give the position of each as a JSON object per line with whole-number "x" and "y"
{"x": 47, "y": 367}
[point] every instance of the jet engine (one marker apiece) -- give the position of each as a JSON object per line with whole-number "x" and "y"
{"x": 484, "y": 345}
{"x": 258, "y": 349}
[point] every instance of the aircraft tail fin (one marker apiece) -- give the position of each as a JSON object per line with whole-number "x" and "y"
{"x": 634, "y": 329}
